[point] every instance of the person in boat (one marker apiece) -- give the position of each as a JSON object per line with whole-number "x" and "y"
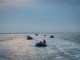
{"x": 44, "y": 41}
{"x": 40, "y": 42}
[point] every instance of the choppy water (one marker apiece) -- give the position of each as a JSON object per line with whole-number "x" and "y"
{"x": 65, "y": 46}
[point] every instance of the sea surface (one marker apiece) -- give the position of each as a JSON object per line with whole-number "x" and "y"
{"x": 65, "y": 46}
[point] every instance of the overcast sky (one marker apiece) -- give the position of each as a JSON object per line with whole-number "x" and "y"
{"x": 39, "y": 16}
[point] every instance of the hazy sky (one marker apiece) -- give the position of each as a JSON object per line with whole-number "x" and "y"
{"x": 39, "y": 16}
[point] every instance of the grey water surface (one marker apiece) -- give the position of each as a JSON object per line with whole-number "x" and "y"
{"x": 65, "y": 46}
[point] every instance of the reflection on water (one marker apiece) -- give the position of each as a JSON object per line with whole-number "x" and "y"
{"x": 16, "y": 47}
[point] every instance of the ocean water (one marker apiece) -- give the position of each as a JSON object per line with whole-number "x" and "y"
{"x": 65, "y": 46}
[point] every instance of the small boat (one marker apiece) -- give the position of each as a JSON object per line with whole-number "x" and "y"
{"x": 51, "y": 36}
{"x": 44, "y": 35}
{"x": 29, "y": 38}
{"x": 41, "y": 44}
{"x": 36, "y": 34}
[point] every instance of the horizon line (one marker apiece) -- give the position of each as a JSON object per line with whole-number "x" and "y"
{"x": 35, "y": 32}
